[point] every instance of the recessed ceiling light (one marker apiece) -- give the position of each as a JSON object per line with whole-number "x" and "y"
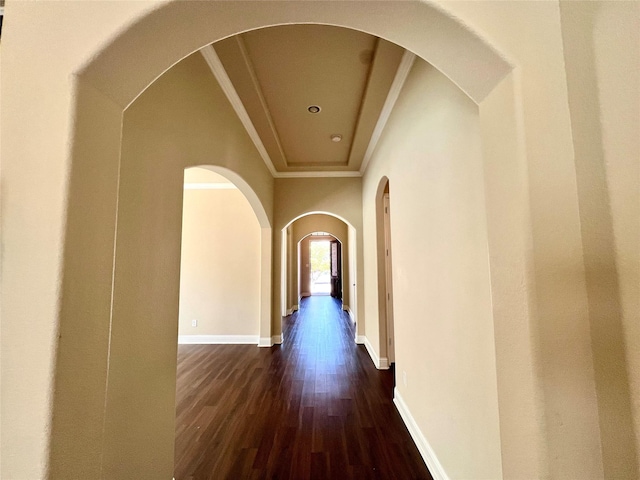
{"x": 314, "y": 109}
{"x": 336, "y": 137}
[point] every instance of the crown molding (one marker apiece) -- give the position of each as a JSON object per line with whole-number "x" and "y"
{"x": 216, "y": 67}
{"x": 394, "y": 92}
{"x": 214, "y": 63}
{"x": 258, "y": 89}
{"x": 317, "y": 174}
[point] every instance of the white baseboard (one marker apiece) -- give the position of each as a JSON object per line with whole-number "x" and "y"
{"x": 384, "y": 363}
{"x": 305, "y": 294}
{"x": 217, "y": 339}
{"x": 292, "y": 309}
{"x": 360, "y": 339}
{"x": 270, "y": 341}
{"x": 347, "y": 309}
{"x": 380, "y": 363}
{"x": 428, "y": 455}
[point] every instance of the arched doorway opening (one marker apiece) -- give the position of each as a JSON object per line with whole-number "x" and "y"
{"x": 219, "y": 283}
{"x": 353, "y": 310}
{"x": 104, "y": 77}
{"x": 220, "y": 262}
{"x": 340, "y": 274}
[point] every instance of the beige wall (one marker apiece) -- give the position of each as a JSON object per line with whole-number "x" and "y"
{"x": 341, "y": 197}
{"x": 182, "y": 120}
{"x": 79, "y": 114}
{"x": 318, "y": 223}
{"x": 61, "y": 188}
{"x": 170, "y": 127}
{"x": 219, "y": 261}
{"x": 26, "y": 450}
{"x": 601, "y": 49}
{"x": 430, "y": 151}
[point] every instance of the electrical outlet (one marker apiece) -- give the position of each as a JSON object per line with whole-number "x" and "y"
{"x": 194, "y": 323}
{"x": 404, "y": 378}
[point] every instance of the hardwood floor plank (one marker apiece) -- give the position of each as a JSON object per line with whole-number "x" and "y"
{"x": 313, "y": 408}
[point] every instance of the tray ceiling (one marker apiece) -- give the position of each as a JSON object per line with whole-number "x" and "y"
{"x": 273, "y": 75}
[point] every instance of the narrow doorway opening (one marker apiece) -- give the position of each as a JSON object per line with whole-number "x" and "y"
{"x": 391, "y": 349}
{"x": 325, "y": 265}
{"x": 385, "y": 275}
{"x": 319, "y": 267}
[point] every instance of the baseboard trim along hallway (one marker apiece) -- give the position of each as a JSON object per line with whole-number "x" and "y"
{"x": 347, "y": 309}
{"x": 380, "y": 363}
{"x": 429, "y": 456}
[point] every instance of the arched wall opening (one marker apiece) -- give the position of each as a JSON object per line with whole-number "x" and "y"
{"x": 266, "y": 253}
{"x": 130, "y": 48}
{"x": 293, "y": 234}
{"x": 123, "y": 426}
{"x": 219, "y": 262}
{"x": 182, "y": 120}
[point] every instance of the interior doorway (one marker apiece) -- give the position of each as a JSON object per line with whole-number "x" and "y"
{"x": 325, "y": 265}
{"x": 385, "y": 276}
{"x": 334, "y": 276}
{"x": 388, "y": 281}
{"x": 320, "y": 267}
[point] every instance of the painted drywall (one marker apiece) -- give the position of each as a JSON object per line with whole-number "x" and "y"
{"x": 59, "y": 194}
{"x": 442, "y": 307}
{"x": 182, "y": 120}
{"x": 83, "y": 37}
{"x": 319, "y": 223}
{"x": 340, "y": 197}
{"x": 601, "y": 48}
{"x": 170, "y": 128}
{"x": 219, "y": 260}
{"x": 548, "y": 267}
{"x": 34, "y": 220}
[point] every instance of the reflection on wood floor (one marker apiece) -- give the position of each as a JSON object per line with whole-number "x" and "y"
{"x": 313, "y": 408}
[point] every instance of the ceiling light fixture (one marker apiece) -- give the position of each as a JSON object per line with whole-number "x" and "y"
{"x": 336, "y": 138}
{"x": 314, "y": 109}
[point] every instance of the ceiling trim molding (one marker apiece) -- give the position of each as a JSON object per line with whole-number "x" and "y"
{"x": 212, "y": 59}
{"x": 394, "y": 92}
{"x": 258, "y": 88}
{"x": 316, "y": 174}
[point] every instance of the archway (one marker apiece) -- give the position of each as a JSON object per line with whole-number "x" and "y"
{"x": 293, "y": 270}
{"x": 265, "y": 249}
{"x": 107, "y": 85}
{"x": 220, "y": 262}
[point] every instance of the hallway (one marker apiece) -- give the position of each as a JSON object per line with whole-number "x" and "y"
{"x": 314, "y": 407}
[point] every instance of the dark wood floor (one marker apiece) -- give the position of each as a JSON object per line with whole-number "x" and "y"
{"x": 313, "y": 408}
